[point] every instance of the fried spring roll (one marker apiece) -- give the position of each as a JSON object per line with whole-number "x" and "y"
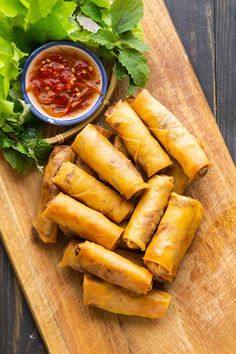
{"x": 138, "y": 140}
{"x": 114, "y": 268}
{"x": 66, "y": 232}
{"x": 71, "y": 253}
{"x": 122, "y": 244}
{"x": 81, "y": 164}
{"x": 119, "y": 145}
{"x": 173, "y": 237}
{"x": 148, "y": 212}
{"x": 108, "y": 162}
{"x": 105, "y": 132}
{"x": 176, "y": 139}
{"x": 70, "y": 256}
{"x": 136, "y": 258}
{"x": 83, "y": 221}
{"x": 114, "y": 299}
{"x": 46, "y": 229}
{"x": 181, "y": 181}
{"x": 87, "y": 189}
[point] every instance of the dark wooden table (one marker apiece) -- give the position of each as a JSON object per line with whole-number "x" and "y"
{"x": 208, "y": 31}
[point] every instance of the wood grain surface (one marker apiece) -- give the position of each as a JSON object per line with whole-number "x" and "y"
{"x": 202, "y": 318}
{"x": 207, "y": 29}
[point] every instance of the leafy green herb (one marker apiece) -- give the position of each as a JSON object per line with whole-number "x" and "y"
{"x": 136, "y": 65}
{"x": 106, "y": 37}
{"x": 111, "y": 28}
{"x": 128, "y": 39}
{"x": 122, "y": 36}
{"x": 21, "y": 143}
{"x": 125, "y": 15}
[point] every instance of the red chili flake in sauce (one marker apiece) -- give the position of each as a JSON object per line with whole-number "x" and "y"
{"x": 63, "y": 84}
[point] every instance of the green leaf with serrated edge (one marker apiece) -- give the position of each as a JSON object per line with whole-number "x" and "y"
{"x": 138, "y": 31}
{"x": 102, "y": 3}
{"x": 7, "y": 111}
{"x": 87, "y": 23}
{"x": 5, "y": 141}
{"x": 104, "y": 53}
{"x": 120, "y": 71}
{"x": 136, "y": 65}
{"x": 125, "y": 15}
{"x": 38, "y": 21}
{"x": 41, "y": 150}
{"x": 106, "y": 17}
{"x": 105, "y": 37}
{"x": 18, "y": 162}
{"x": 128, "y": 39}
{"x": 131, "y": 89}
{"x": 92, "y": 11}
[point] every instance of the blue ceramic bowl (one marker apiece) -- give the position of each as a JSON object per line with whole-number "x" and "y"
{"x": 35, "y": 106}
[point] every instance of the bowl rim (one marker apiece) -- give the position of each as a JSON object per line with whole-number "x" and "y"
{"x": 63, "y": 121}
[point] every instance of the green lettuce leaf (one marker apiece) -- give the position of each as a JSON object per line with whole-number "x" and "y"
{"x": 12, "y": 8}
{"x": 57, "y": 25}
{"x": 110, "y": 28}
{"x": 10, "y": 57}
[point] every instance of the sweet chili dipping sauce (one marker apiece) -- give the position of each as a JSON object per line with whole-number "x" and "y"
{"x": 63, "y": 83}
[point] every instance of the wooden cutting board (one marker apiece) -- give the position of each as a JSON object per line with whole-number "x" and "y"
{"x": 202, "y": 318}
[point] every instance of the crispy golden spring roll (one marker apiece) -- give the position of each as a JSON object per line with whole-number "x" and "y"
{"x": 108, "y": 162}
{"x": 120, "y": 146}
{"x": 105, "y": 132}
{"x": 71, "y": 253}
{"x": 81, "y": 164}
{"x": 138, "y": 140}
{"x": 148, "y": 212}
{"x": 114, "y": 299}
{"x": 44, "y": 228}
{"x": 173, "y": 237}
{"x": 114, "y": 268}
{"x": 87, "y": 189}
{"x": 176, "y": 139}
{"x": 66, "y": 232}
{"x": 136, "y": 258}
{"x": 70, "y": 256}
{"x": 83, "y": 221}
{"x": 122, "y": 244}
{"x": 181, "y": 181}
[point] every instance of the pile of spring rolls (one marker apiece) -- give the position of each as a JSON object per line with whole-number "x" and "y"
{"x": 118, "y": 196}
